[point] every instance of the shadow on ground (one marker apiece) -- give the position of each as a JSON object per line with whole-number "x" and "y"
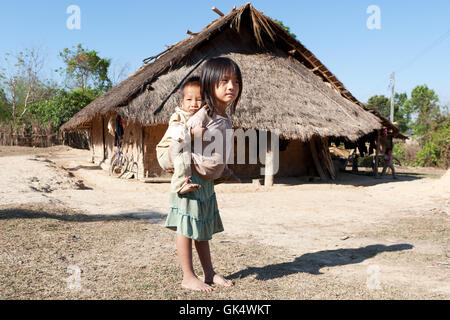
{"x": 92, "y": 167}
{"x": 349, "y": 179}
{"x": 64, "y": 215}
{"x": 312, "y": 262}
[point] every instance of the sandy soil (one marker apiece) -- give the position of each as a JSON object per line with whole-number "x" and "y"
{"x": 356, "y": 238}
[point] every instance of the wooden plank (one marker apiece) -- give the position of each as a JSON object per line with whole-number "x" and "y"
{"x": 375, "y": 165}
{"x": 315, "y": 156}
{"x": 268, "y": 169}
{"x": 103, "y": 137}
{"x": 217, "y": 11}
{"x": 326, "y": 158}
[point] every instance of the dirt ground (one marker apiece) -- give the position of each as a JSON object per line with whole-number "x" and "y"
{"x": 69, "y": 231}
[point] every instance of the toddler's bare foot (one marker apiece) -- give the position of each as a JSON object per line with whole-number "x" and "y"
{"x": 190, "y": 187}
{"x": 196, "y": 285}
{"x": 219, "y": 280}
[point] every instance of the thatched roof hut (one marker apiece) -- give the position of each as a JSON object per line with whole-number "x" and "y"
{"x": 285, "y": 87}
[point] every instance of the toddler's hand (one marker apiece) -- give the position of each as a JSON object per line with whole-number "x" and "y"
{"x": 198, "y": 132}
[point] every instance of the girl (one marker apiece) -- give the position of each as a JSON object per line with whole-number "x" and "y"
{"x": 195, "y": 216}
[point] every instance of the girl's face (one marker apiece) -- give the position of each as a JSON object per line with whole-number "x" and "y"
{"x": 227, "y": 90}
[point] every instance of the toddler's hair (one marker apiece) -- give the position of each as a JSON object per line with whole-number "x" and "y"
{"x": 194, "y": 80}
{"x": 212, "y": 72}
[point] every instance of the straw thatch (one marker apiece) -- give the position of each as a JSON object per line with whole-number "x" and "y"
{"x": 285, "y": 87}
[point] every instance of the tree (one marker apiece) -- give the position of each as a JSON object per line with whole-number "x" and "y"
{"x": 5, "y": 115}
{"x": 287, "y": 29}
{"x": 118, "y": 72}
{"x": 85, "y": 69}
{"x": 402, "y": 112}
{"x": 62, "y": 106}
{"x": 435, "y": 149}
{"x": 22, "y": 83}
{"x": 424, "y": 103}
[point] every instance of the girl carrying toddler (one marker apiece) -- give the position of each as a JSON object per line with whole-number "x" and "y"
{"x": 195, "y": 215}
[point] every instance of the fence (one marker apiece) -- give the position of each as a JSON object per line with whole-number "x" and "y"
{"x": 37, "y": 136}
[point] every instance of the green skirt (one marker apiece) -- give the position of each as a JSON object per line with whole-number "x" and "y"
{"x": 195, "y": 215}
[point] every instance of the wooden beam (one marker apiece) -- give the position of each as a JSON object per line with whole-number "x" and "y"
{"x": 217, "y": 11}
{"x": 315, "y": 156}
{"x": 326, "y": 158}
{"x": 375, "y": 162}
{"x": 268, "y": 174}
{"x": 103, "y": 138}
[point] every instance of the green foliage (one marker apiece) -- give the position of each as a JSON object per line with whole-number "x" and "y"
{"x": 86, "y": 69}
{"x": 5, "y": 115}
{"x": 402, "y": 111}
{"x": 430, "y": 126}
{"x": 62, "y": 107}
{"x": 424, "y": 102}
{"x": 287, "y": 29}
{"x": 435, "y": 146}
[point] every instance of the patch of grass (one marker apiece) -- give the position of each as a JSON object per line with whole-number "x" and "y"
{"x": 126, "y": 258}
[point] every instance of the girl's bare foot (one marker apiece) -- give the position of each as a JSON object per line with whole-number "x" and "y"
{"x": 195, "y": 284}
{"x": 189, "y": 187}
{"x": 219, "y": 280}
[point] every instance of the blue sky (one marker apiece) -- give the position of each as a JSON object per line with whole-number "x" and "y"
{"x": 335, "y": 31}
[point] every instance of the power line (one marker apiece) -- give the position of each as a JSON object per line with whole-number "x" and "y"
{"x": 424, "y": 51}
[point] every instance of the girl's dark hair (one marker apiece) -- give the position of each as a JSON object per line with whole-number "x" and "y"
{"x": 212, "y": 72}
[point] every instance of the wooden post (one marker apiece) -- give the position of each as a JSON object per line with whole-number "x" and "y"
{"x": 326, "y": 158}
{"x": 375, "y": 165}
{"x": 391, "y": 115}
{"x": 268, "y": 174}
{"x": 141, "y": 163}
{"x": 91, "y": 143}
{"x": 103, "y": 137}
{"x": 217, "y": 11}
{"x": 315, "y": 156}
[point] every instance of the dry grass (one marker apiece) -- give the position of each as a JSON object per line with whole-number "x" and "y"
{"x": 126, "y": 258}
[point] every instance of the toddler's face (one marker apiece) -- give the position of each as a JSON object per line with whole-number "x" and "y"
{"x": 192, "y": 100}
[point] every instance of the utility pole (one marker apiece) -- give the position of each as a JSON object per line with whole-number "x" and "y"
{"x": 391, "y": 118}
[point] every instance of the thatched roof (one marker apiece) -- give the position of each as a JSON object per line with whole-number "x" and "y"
{"x": 285, "y": 86}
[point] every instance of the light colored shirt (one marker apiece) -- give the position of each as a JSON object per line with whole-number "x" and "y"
{"x": 209, "y": 156}
{"x": 176, "y": 132}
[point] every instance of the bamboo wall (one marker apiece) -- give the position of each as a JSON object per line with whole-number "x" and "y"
{"x": 140, "y": 142}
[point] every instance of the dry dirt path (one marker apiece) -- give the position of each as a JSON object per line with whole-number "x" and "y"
{"x": 385, "y": 236}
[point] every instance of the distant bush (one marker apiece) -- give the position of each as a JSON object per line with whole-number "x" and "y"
{"x": 435, "y": 147}
{"x": 406, "y": 152}
{"x": 62, "y": 107}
